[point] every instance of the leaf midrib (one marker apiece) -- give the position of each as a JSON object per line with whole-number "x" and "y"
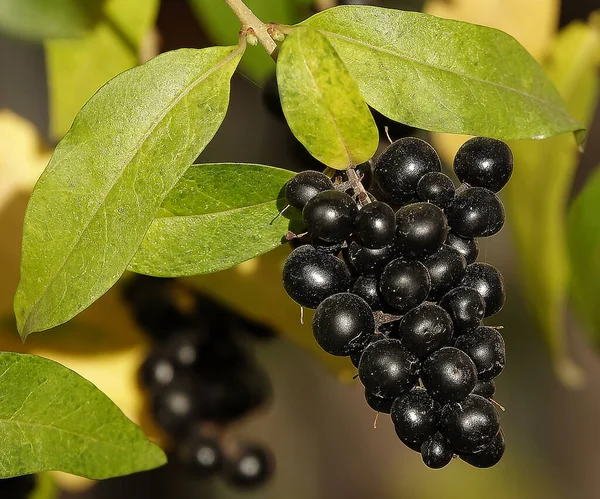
{"x": 232, "y": 210}
{"x": 136, "y": 151}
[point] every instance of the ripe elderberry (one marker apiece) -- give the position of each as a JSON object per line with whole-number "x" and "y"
{"x": 201, "y": 455}
{"x": 421, "y": 230}
{"x": 376, "y": 225}
{"x": 488, "y": 282}
{"x": 404, "y": 284}
{"x": 304, "y": 186}
{"x": 366, "y": 261}
{"x": 465, "y": 306}
{"x": 436, "y": 188}
{"x": 486, "y": 389}
{"x": 485, "y": 346}
{"x": 469, "y": 248}
{"x": 415, "y": 416}
{"x": 367, "y": 287}
{"x": 449, "y": 374}
{"x": 252, "y": 467}
{"x": 330, "y": 216}
{"x": 310, "y": 276}
{"x": 436, "y": 452}
{"x": 475, "y": 212}
{"x": 176, "y": 407}
{"x": 343, "y": 324}
{"x": 490, "y": 455}
{"x": 378, "y": 403}
{"x": 446, "y": 269}
{"x": 484, "y": 162}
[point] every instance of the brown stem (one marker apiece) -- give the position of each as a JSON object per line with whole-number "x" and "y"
{"x": 251, "y": 23}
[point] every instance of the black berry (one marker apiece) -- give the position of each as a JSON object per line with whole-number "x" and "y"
{"x": 421, "y": 230}
{"x": 436, "y": 188}
{"x": 475, "y": 212}
{"x": 436, "y": 452}
{"x": 488, "y": 282}
{"x": 465, "y": 306}
{"x": 310, "y": 276}
{"x": 486, "y": 389}
{"x": 404, "y": 284}
{"x": 201, "y": 455}
{"x": 343, "y": 324}
{"x": 415, "y": 416}
{"x": 446, "y": 269}
{"x": 252, "y": 467}
{"x": 449, "y": 374}
{"x": 469, "y": 425}
{"x": 484, "y": 162}
{"x": 176, "y": 407}
{"x": 378, "y": 403}
{"x": 387, "y": 369}
{"x": 401, "y": 166}
{"x": 485, "y": 346}
{"x": 305, "y": 186}
{"x": 490, "y": 455}
{"x": 469, "y": 248}
{"x": 376, "y": 225}
{"x": 365, "y": 261}
{"x": 157, "y": 371}
{"x": 330, "y": 216}
{"x": 367, "y": 287}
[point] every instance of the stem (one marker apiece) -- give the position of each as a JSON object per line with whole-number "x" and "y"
{"x": 359, "y": 189}
{"x": 252, "y": 23}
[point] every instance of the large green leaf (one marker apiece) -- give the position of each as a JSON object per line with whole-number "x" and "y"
{"x": 107, "y": 178}
{"x": 584, "y": 249}
{"x": 78, "y": 68}
{"x": 53, "y": 419}
{"x": 445, "y": 75}
{"x": 41, "y": 19}
{"x": 216, "y": 217}
{"x": 322, "y": 103}
{"x": 537, "y": 195}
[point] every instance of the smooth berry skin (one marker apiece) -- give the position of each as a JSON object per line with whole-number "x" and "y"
{"x": 251, "y": 468}
{"x": 446, "y": 269}
{"x": 488, "y": 282}
{"x": 367, "y": 287}
{"x": 401, "y": 165}
{"x": 387, "y": 369}
{"x": 490, "y": 455}
{"x": 475, "y": 212}
{"x": 343, "y": 324}
{"x": 366, "y": 261}
{"x": 330, "y": 216}
{"x": 310, "y": 276}
{"x": 469, "y": 425}
{"x": 175, "y": 408}
{"x": 415, "y": 416}
{"x": 436, "y": 452}
{"x": 436, "y": 188}
{"x": 484, "y": 162}
{"x": 304, "y": 186}
{"x": 486, "y": 348}
{"x": 379, "y": 404}
{"x": 421, "y": 230}
{"x": 449, "y": 375}
{"x": 424, "y": 329}
{"x": 486, "y": 389}
{"x": 201, "y": 455}
{"x": 469, "y": 248}
{"x": 157, "y": 371}
{"x": 404, "y": 284}
{"x": 376, "y": 225}
{"x": 357, "y": 354}
{"x": 465, "y": 306}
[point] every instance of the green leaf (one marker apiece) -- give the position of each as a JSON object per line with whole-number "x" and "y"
{"x": 217, "y": 216}
{"x": 322, "y": 103}
{"x": 537, "y": 195}
{"x": 40, "y": 19}
{"x": 584, "y": 249}
{"x": 78, "y": 68}
{"x": 53, "y": 419}
{"x": 128, "y": 147}
{"x": 444, "y": 75}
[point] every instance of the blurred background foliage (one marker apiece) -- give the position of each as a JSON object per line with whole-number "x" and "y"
{"x": 321, "y": 429}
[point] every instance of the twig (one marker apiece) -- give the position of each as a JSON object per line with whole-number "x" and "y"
{"x": 252, "y": 24}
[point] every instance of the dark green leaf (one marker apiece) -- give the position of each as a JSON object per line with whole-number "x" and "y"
{"x": 53, "y": 419}
{"x": 445, "y": 75}
{"x": 322, "y": 103}
{"x": 216, "y": 217}
{"x": 42, "y": 19}
{"x": 107, "y": 178}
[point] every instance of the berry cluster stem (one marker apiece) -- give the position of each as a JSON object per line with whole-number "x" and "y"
{"x": 359, "y": 189}
{"x": 252, "y": 24}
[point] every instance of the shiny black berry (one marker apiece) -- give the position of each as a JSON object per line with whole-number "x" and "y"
{"x": 486, "y": 389}
{"x": 436, "y": 188}
{"x": 446, "y": 269}
{"x": 157, "y": 371}
{"x": 176, "y": 407}
{"x": 436, "y": 452}
{"x": 421, "y": 230}
{"x": 376, "y": 225}
{"x": 201, "y": 455}
{"x": 330, "y": 216}
{"x": 305, "y": 186}
{"x": 404, "y": 284}
{"x": 490, "y": 455}
{"x": 310, "y": 276}
{"x": 469, "y": 425}
{"x": 424, "y": 329}
{"x": 387, "y": 369}
{"x": 485, "y": 346}
{"x": 488, "y": 282}
{"x": 449, "y": 374}
{"x": 327, "y": 247}
{"x": 401, "y": 166}
{"x": 367, "y": 287}
{"x": 415, "y": 416}
{"x": 475, "y": 212}
{"x": 484, "y": 162}
{"x": 252, "y": 467}
{"x": 343, "y": 324}
{"x": 465, "y": 306}
{"x": 366, "y": 261}
{"x": 378, "y": 403}
{"x": 469, "y": 248}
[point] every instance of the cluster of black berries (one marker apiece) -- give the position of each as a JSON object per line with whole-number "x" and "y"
{"x": 407, "y": 300}
{"x": 201, "y": 377}
{"x": 19, "y": 487}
